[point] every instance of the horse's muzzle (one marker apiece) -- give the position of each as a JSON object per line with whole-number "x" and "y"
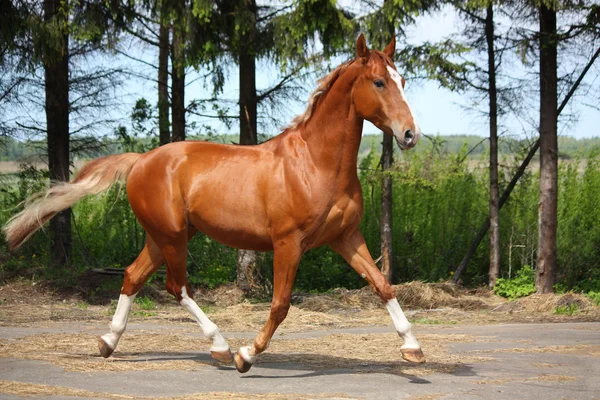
{"x": 408, "y": 139}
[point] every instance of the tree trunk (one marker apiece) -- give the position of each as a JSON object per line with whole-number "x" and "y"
{"x": 494, "y": 191}
{"x": 547, "y": 206}
{"x": 246, "y": 262}
{"x": 178, "y": 79}
{"x": 56, "y": 71}
{"x": 486, "y": 225}
{"x": 387, "y": 158}
{"x": 247, "y": 64}
{"x": 163, "y": 84}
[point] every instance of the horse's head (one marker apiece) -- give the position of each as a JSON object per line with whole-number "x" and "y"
{"x": 378, "y": 95}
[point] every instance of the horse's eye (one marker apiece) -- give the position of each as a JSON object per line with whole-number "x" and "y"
{"x": 379, "y": 83}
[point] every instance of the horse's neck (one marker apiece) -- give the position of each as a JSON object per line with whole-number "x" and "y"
{"x": 334, "y": 131}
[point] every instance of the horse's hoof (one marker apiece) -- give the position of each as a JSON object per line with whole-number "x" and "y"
{"x": 104, "y": 348}
{"x": 224, "y": 357}
{"x": 240, "y": 364}
{"x": 413, "y": 355}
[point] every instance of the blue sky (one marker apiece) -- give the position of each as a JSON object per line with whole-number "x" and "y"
{"x": 438, "y": 110}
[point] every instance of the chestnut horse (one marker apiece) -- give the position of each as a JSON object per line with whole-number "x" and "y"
{"x": 291, "y": 194}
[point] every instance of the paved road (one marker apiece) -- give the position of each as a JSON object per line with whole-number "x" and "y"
{"x": 537, "y": 371}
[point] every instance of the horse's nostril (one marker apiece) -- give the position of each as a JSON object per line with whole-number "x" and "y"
{"x": 408, "y": 136}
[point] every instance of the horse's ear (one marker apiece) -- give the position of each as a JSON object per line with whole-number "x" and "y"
{"x": 390, "y": 49}
{"x": 361, "y": 47}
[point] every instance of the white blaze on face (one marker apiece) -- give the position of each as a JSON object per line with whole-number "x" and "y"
{"x": 398, "y": 80}
{"x": 402, "y": 325}
{"x": 208, "y": 327}
{"x": 119, "y": 321}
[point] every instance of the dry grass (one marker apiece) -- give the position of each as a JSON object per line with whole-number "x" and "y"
{"x": 365, "y": 353}
{"x": 540, "y": 378}
{"x": 543, "y": 303}
{"x": 30, "y": 389}
{"x": 175, "y": 351}
{"x": 24, "y": 314}
{"x": 25, "y": 304}
{"x": 252, "y": 317}
{"x": 545, "y": 365}
{"x": 413, "y": 295}
{"x": 137, "y": 352}
{"x": 592, "y": 350}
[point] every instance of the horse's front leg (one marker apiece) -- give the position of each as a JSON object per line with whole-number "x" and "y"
{"x": 355, "y": 252}
{"x": 287, "y": 253}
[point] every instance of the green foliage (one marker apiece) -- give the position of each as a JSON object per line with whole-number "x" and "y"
{"x": 428, "y": 321}
{"x": 82, "y": 305}
{"x": 210, "y": 263}
{"x": 594, "y": 296}
{"x": 435, "y": 61}
{"x": 440, "y": 199}
{"x": 145, "y": 303}
{"x": 322, "y": 269}
{"x": 567, "y": 309}
{"x": 523, "y": 284}
{"x": 292, "y": 32}
{"x": 143, "y": 313}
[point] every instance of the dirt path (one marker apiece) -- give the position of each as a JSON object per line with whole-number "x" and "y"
{"x": 511, "y": 361}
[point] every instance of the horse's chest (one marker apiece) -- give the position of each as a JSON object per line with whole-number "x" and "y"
{"x": 343, "y": 216}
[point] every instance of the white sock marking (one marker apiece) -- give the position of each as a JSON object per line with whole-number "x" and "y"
{"x": 245, "y": 353}
{"x": 402, "y": 325}
{"x": 119, "y": 321}
{"x": 208, "y": 327}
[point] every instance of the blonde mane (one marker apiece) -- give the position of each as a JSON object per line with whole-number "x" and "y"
{"x": 324, "y": 84}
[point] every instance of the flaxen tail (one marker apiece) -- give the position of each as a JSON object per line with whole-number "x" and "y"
{"x": 95, "y": 177}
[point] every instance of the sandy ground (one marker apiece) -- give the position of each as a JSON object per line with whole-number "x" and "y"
{"x": 338, "y": 345}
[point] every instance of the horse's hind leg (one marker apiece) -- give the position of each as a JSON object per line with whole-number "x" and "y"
{"x": 175, "y": 253}
{"x": 149, "y": 260}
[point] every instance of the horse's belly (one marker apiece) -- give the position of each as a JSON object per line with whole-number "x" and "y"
{"x": 235, "y": 225}
{"x": 237, "y": 237}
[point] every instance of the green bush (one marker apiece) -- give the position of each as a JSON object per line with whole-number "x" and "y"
{"x": 567, "y": 309}
{"x": 523, "y": 284}
{"x": 594, "y": 296}
{"x": 145, "y": 303}
{"x": 440, "y": 199}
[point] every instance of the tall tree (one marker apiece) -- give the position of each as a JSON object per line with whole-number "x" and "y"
{"x": 56, "y": 71}
{"x": 387, "y": 159}
{"x": 482, "y": 37}
{"x": 481, "y": 81}
{"x": 493, "y": 114}
{"x": 548, "y": 200}
{"x": 581, "y": 31}
{"x": 56, "y": 37}
{"x": 381, "y": 25}
{"x": 246, "y": 262}
{"x": 247, "y": 73}
{"x": 164, "y": 132}
{"x": 178, "y": 62}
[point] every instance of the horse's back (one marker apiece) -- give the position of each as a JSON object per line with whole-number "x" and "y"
{"x": 217, "y": 188}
